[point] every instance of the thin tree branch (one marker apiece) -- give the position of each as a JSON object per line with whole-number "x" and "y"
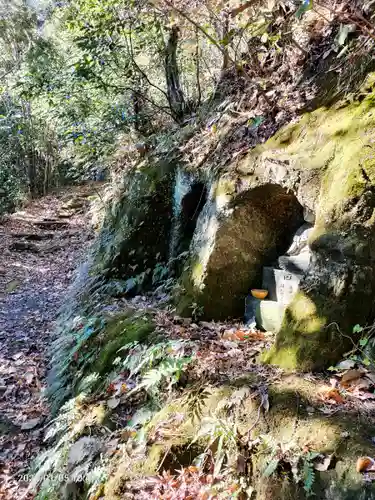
{"x": 140, "y": 70}
{"x": 218, "y": 46}
{"x": 135, "y": 91}
{"x": 368, "y": 28}
{"x": 241, "y": 8}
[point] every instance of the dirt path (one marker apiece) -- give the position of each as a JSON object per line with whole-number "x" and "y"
{"x": 39, "y": 250}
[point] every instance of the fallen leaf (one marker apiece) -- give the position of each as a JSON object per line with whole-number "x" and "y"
{"x": 205, "y": 324}
{"x": 229, "y": 335}
{"x": 111, "y": 446}
{"x": 257, "y": 335}
{"x": 240, "y": 335}
{"x": 361, "y": 383}
{"x": 333, "y": 382}
{"x": 124, "y": 388}
{"x": 323, "y": 463}
{"x": 332, "y": 394}
{"x": 352, "y": 375}
{"x": 193, "y": 469}
{"x": 127, "y": 434}
{"x": 365, "y": 464}
{"x": 345, "y": 365}
{"x": 30, "y": 424}
{"x": 21, "y": 447}
{"x": 363, "y": 395}
{"x": 265, "y": 402}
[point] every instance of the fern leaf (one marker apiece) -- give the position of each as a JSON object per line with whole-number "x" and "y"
{"x": 271, "y": 467}
{"x": 308, "y": 477}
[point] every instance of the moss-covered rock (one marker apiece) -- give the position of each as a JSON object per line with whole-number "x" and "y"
{"x": 102, "y": 348}
{"x": 136, "y": 229}
{"x": 237, "y": 236}
{"x": 323, "y": 165}
{"x": 293, "y": 425}
{"x": 84, "y": 361}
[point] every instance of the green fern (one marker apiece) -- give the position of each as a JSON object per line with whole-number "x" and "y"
{"x": 308, "y": 472}
{"x": 271, "y": 467}
{"x": 168, "y": 370}
{"x": 222, "y": 435}
{"x": 194, "y": 401}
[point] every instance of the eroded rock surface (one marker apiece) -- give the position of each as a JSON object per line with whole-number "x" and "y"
{"x": 318, "y": 169}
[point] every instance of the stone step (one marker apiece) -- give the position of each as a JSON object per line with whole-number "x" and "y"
{"x": 269, "y": 315}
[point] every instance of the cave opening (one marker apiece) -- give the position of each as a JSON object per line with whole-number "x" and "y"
{"x": 191, "y": 206}
{"x": 259, "y": 230}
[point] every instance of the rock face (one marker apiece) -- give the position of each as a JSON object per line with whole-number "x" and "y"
{"x": 189, "y": 197}
{"x": 136, "y": 230}
{"x": 321, "y": 168}
{"x": 298, "y": 257}
{"x": 321, "y": 171}
{"x": 235, "y": 237}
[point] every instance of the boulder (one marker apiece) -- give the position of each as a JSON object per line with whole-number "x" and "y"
{"x": 136, "y": 230}
{"x": 237, "y": 234}
{"x": 321, "y": 168}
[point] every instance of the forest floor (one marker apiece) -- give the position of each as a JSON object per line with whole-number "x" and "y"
{"x": 39, "y": 249}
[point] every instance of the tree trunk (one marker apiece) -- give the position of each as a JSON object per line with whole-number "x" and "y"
{"x": 141, "y": 124}
{"x": 225, "y": 41}
{"x": 175, "y": 94}
{"x": 31, "y": 173}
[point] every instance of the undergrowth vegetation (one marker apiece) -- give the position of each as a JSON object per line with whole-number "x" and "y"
{"x": 136, "y": 415}
{"x": 87, "y": 88}
{"x": 145, "y": 404}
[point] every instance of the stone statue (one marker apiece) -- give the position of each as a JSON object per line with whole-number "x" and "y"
{"x": 297, "y": 259}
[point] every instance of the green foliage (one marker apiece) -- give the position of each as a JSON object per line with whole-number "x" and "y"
{"x": 271, "y": 467}
{"x": 363, "y": 349}
{"x": 308, "y": 472}
{"x": 195, "y": 400}
{"x": 156, "y": 365}
{"x": 88, "y": 78}
{"x": 222, "y": 435}
{"x": 301, "y": 462}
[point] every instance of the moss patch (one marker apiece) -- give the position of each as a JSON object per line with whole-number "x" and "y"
{"x": 136, "y": 229}
{"x": 337, "y": 142}
{"x": 293, "y": 422}
{"x": 118, "y": 332}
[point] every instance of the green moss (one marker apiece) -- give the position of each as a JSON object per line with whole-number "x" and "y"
{"x": 191, "y": 281}
{"x": 302, "y": 341}
{"x": 118, "y": 332}
{"x": 286, "y": 357}
{"x": 336, "y": 145}
{"x": 333, "y": 141}
{"x": 225, "y": 186}
{"x": 128, "y": 470}
{"x": 292, "y": 423}
{"x": 135, "y": 231}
